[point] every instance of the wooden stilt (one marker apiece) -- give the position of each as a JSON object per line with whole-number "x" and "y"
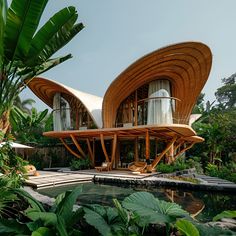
{"x": 94, "y": 151}
{"x": 177, "y": 146}
{"x": 136, "y": 108}
{"x": 136, "y": 149}
{"x": 90, "y": 151}
{"x": 147, "y": 151}
{"x": 78, "y": 146}
{"x": 104, "y": 148}
{"x": 69, "y": 149}
{"x": 158, "y": 158}
{"x": 117, "y": 158}
{"x": 114, "y": 144}
{"x": 183, "y": 150}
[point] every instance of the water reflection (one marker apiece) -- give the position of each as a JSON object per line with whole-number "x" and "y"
{"x": 202, "y": 205}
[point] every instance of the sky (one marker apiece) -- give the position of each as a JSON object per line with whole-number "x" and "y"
{"x": 118, "y": 32}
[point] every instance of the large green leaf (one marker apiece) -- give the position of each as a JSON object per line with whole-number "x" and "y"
{"x": 65, "y": 207}
{"x": 225, "y": 214}
{"x": 186, "y": 228}
{"x": 123, "y": 213}
{"x": 3, "y": 12}
{"x": 97, "y": 220}
{"x": 22, "y": 21}
{"x": 62, "y": 21}
{"x": 151, "y": 210}
{"x": 12, "y": 226}
{"x": 48, "y": 218}
{"x": 61, "y": 227}
{"x": 36, "y": 205}
{"x": 43, "y": 231}
{"x": 206, "y": 230}
{"x": 29, "y": 73}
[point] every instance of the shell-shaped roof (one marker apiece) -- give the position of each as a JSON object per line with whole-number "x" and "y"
{"x": 45, "y": 89}
{"x": 186, "y": 65}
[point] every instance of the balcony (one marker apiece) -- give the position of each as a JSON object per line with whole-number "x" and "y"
{"x": 151, "y": 111}
{"x": 68, "y": 119}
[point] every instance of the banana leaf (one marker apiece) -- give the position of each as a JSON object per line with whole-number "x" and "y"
{"x": 63, "y": 20}
{"x": 22, "y": 22}
{"x": 3, "y": 12}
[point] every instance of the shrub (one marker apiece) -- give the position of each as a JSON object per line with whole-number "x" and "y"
{"x": 195, "y": 162}
{"x": 224, "y": 172}
{"x": 165, "y": 168}
{"x": 80, "y": 164}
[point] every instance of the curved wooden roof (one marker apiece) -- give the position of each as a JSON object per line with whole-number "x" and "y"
{"x": 186, "y": 65}
{"x": 45, "y": 89}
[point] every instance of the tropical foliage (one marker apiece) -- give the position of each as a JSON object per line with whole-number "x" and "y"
{"x": 218, "y": 127}
{"x": 28, "y": 127}
{"x": 80, "y": 164}
{"x": 138, "y": 214}
{"x": 11, "y": 165}
{"x": 25, "y": 50}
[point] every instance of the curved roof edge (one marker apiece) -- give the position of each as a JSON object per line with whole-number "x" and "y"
{"x": 45, "y": 89}
{"x": 187, "y": 65}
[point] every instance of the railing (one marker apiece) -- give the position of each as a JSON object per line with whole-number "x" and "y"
{"x": 68, "y": 120}
{"x": 165, "y": 112}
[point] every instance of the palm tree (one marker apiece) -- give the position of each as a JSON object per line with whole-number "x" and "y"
{"x": 24, "y": 105}
{"x": 25, "y": 51}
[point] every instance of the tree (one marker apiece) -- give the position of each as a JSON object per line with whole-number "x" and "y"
{"x": 28, "y": 127}
{"x": 24, "y": 105}
{"x": 25, "y": 51}
{"x": 199, "y": 106}
{"x": 217, "y": 124}
{"x": 226, "y": 95}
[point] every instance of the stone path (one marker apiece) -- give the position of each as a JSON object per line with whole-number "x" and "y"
{"x": 213, "y": 180}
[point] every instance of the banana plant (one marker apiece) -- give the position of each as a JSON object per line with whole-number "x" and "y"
{"x": 59, "y": 220}
{"x": 27, "y": 126}
{"x": 25, "y": 50}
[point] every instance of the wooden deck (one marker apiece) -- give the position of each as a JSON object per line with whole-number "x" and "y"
{"x": 51, "y": 178}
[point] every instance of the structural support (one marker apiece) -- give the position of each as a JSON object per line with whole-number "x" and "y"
{"x": 183, "y": 150}
{"x": 104, "y": 148}
{"x": 69, "y": 149}
{"x": 78, "y": 146}
{"x": 158, "y": 158}
{"x": 136, "y": 149}
{"x": 114, "y": 144}
{"x": 147, "y": 150}
{"x": 117, "y": 157}
{"x": 136, "y": 108}
{"x": 91, "y": 155}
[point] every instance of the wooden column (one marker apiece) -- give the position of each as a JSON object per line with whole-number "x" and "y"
{"x": 69, "y": 149}
{"x": 158, "y": 158}
{"x": 113, "y": 153}
{"x": 147, "y": 151}
{"x": 78, "y": 146}
{"x": 136, "y": 149}
{"x": 104, "y": 148}
{"x": 117, "y": 159}
{"x": 136, "y": 108}
{"x": 94, "y": 151}
{"x": 183, "y": 150}
{"x": 171, "y": 154}
{"x": 91, "y": 155}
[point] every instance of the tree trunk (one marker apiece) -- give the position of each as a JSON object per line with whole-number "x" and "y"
{"x": 5, "y": 122}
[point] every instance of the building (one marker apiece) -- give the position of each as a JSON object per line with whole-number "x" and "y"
{"x": 144, "y": 115}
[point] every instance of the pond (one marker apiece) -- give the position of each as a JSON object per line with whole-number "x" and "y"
{"x": 205, "y": 205}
